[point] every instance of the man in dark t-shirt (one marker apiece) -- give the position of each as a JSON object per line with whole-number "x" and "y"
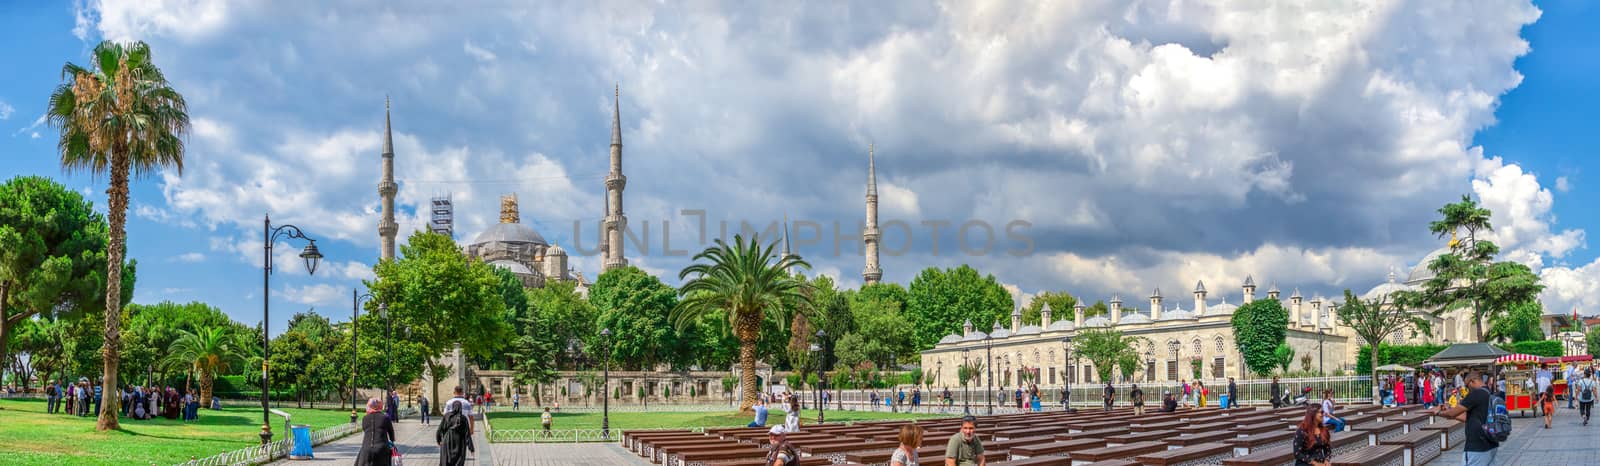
{"x": 1474, "y": 410}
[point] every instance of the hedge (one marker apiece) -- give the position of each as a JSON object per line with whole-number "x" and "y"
{"x": 1547, "y": 348}
{"x": 1405, "y": 355}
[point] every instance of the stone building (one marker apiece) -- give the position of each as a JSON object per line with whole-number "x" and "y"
{"x": 1174, "y": 341}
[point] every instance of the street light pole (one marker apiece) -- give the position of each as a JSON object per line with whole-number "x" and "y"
{"x": 1066, "y": 354}
{"x": 388, "y": 347}
{"x": 988, "y": 384}
{"x": 312, "y": 257}
{"x": 355, "y": 315}
{"x": 822, "y": 376}
{"x": 605, "y": 398}
{"x": 966, "y": 400}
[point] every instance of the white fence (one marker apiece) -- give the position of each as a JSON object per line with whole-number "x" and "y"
{"x": 274, "y": 450}
{"x": 1346, "y": 390}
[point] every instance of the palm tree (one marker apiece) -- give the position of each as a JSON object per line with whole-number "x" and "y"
{"x": 208, "y": 352}
{"x": 118, "y": 117}
{"x": 751, "y": 284}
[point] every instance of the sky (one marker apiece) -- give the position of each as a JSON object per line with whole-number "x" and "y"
{"x": 1104, "y": 148}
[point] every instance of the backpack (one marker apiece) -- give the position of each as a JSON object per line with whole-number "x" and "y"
{"x": 1497, "y": 424}
{"x": 1586, "y": 390}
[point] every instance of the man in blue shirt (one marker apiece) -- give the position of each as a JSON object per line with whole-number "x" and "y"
{"x": 761, "y": 413}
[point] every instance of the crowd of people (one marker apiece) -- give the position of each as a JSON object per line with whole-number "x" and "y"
{"x": 453, "y": 436}
{"x": 83, "y": 398}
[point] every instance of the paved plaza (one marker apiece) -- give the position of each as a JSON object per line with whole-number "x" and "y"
{"x": 414, "y": 440}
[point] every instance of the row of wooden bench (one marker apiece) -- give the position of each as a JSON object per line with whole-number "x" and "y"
{"x": 1238, "y": 437}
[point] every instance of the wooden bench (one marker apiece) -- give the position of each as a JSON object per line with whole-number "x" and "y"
{"x": 1258, "y": 428}
{"x": 1083, "y": 457}
{"x": 1158, "y": 426}
{"x": 1037, "y": 461}
{"x": 630, "y": 436}
{"x": 1115, "y": 462}
{"x": 1420, "y": 446}
{"x": 634, "y": 443}
{"x": 1136, "y": 437}
{"x": 1193, "y": 455}
{"x": 763, "y": 462}
{"x": 1061, "y": 448}
{"x": 1412, "y": 421}
{"x": 1102, "y": 433}
{"x": 836, "y": 451}
{"x": 1030, "y": 432}
{"x": 657, "y": 451}
{"x": 1206, "y": 427}
{"x": 1377, "y": 455}
{"x": 1187, "y": 440}
{"x": 1348, "y": 441}
{"x": 700, "y": 457}
{"x": 1254, "y": 443}
{"x": 1451, "y": 432}
{"x": 1362, "y": 418}
{"x": 1278, "y": 456}
{"x": 1381, "y": 430}
{"x": 932, "y": 455}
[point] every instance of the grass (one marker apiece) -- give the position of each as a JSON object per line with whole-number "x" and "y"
{"x": 28, "y": 436}
{"x": 502, "y": 418}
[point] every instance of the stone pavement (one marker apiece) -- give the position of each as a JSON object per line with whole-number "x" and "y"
{"x": 414, "y": 440}
{"x": 1565, "y": 443}
{"x": 565, "y": 454}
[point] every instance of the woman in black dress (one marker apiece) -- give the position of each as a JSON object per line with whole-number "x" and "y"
{"x": 378, "y": 437}
{"x": 1312, "y": 446}
{"x": 454, "y": 437}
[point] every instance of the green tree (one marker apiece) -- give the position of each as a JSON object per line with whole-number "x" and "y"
{"x": 751, "y": 285}
{"x": 1061, "y": 304}
{"x": 1283, "y": 356}
{"x": 637, "y": 307}
{"x": 1467, "y": 276}
{"x": 559, "y": 320}
{"x": 1258, "y": 329}
{"x": 52, "y": 254}
{"x": 1108, "y": 349}
{"x": 1520, "y": 323}
{"x": 1593, "y": 340}
{"x": 940, "y": 301}
{"x": 1099, "y": 308}
{"x": 439, "y": 298}
{"x": 882, "y": 332}
{"x": 210, "y": 351}
{"x": 881, "y": 291}
{"x": 1375, "y": 319}
{"x": 149, "y": 331}
{"x": 118, "y": 117}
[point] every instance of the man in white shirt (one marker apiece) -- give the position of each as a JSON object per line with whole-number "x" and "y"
{"x": 1570, "y": 376}
{"x": 466, "y": 408}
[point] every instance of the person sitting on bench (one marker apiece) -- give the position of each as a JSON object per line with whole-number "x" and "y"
{"x": 1327, "y": 410}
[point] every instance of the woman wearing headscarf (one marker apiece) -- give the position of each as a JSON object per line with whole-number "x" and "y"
{"x": 378, "y": 443}
{"x": 454, "y": 437}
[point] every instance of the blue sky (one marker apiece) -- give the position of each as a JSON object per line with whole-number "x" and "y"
{"x": 1148, "y": 146}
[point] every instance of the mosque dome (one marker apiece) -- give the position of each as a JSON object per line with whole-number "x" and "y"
{"x": 1135, "y": 318}
{"x": 555, "y": 250}
{"x": 1177, "y": 313}
{"x": 951, "y": 338}
{"x": 1061, "y": 325}
{"x": 975, "y": 336}
{"x": 1386, "y": 288}
{"x": 1222, "y": 308}
{"x": 513, "y": 266}
{"x": 510, "y": 233}
{"x": 1097, "y": 321}
{"x": 1420, "y": 272}
{"x": 1029, "y": 330}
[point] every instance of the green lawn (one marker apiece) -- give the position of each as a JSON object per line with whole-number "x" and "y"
{"x": 529, "y": 419}
{"x": 28, "y": 436}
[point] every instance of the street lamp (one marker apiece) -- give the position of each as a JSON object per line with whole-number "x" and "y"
{"x": 605, "y": 396}
{"x": 311, "y": 256}
{"x": 1066, "y": 355}
{"x": 822, "y": 376}
{"x": 388, "y": 346}
{"x": 355, "y": 314}
{"x": 988, "y": 384}
{"x": 966, "y": 364}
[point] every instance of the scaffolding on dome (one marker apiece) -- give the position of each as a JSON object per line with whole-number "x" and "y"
{"x": 444, "y": 215}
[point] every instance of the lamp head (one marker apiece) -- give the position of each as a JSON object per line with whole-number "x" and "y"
{"x": 312, "y": 257}
{"x": 605, "y": 332}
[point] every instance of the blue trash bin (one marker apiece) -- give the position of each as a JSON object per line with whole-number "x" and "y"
{"x": 1224, "y": 400}
{"x": 302, "y": 442}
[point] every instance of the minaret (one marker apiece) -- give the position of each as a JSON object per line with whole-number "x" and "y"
{"x": 1044, "y": 316}
{"x": 869, "y": 235}
{"x": 386, "y": 189}
{"x": 1273, "y": 292}
{"x": 1295, "y": 300}
{"x": 1016, "y": 319}
{"x": 786, "y": 253}
{"x": 1155, "y": 304}
{"x": 1116, "y": 310}
{"x": 1199, "y": 298}
{"x": 1077, "y": 315}
{"x": 615, "y": 221}
{"x": 1249, "y": 289}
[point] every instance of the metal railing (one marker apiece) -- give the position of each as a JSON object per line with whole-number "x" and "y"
{"x": 260, "y": 454}
{"x": 1255, "y": 392}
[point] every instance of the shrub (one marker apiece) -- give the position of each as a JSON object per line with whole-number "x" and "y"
{"x": 1405, "y": 355}
{"x": 1547, "y": 348}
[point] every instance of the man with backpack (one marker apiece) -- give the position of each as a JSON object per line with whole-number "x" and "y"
{"x": 1487, "y": 423}
{"x": 1584, "y": 389}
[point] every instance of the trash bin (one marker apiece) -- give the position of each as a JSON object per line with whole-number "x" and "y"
{"x": 302, "y": 442}
{"x": 1224, "y": 400}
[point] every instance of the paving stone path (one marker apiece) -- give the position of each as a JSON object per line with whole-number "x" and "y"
{"x": 414, "y": 440}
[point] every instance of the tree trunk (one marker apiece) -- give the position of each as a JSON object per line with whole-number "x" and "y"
{"x": 111, "y": 352}
{"x": 207, "y": 380}
{"x": 747, "y": 371}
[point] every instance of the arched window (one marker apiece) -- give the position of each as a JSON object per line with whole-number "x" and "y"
{"x": 1197, "y": 349}
{"x": 1219, "y": 345}
{"x": 1052, "y": 355}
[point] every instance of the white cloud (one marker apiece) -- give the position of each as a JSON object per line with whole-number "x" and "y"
{"x": 477, "y": 52}
{"x": 320, "y": 293}
{"x": 35, "y": 135}
{"x": 1562, "y": 184}
{"x": 6, "y": 110}
{"x": 31, "y": 127}
{"x": 126, "y": 20}
{"x": 189, "y": 257}
{"x": 1521, "y": 213}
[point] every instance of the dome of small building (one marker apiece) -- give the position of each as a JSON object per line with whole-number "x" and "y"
{"x": 1177, "y": 313}
{"x": 555, "y": 250}
{"x": 1029, "y": 330}
{"x": 1222, "y": 308}
{"x": 1420, "y": 272}
{"x": 1097, "y": 321}
{"x": 1061, "y": 325}
{"x": 1135, "y": 318}
{"x": 513, "y": 266}
{"x": 1000, "y": 333}
{"x": 951, "y": 338}
{"x": 975, "y": 336}
{"x": 1385, "y": 289}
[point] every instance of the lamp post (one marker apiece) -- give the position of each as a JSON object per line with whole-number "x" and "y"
{"x": 605, "y": 397}
{"x": 311, "y": 256}
{"x": 822, "y": 376}
{"x": 966, "y": 401}
{"x": 1066, "y": 356}
{"x": 817, "y": 387}
{"x": 355, "y": 314}
{"x": 988, "y": 383}
{"x": 388, "y": 346}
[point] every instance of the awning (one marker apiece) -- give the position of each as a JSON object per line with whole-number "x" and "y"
{"x": 1466, "y": 354}
{"x": 1395, "y": 368}
{"x": 1578, "y": 358}
{"x": 1516, "y": 359}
